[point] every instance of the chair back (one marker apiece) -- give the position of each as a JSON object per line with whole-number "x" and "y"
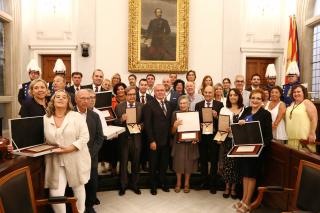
{"x": 307, "y": 196}
{"x": 16, "y": 192}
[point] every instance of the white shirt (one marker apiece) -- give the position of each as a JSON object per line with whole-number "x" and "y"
{"x": 129, "y": 105}
{"x": 163, "y": 104}
{"x": 150, "y": 91}
{"x": 103, "y": 120}
{"x": 94, "y": 88}
{"x": 206, "y": 105}
{"x": 83, "y": 114}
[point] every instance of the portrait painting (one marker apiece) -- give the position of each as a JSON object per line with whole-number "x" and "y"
{"x": 158, "y": 35}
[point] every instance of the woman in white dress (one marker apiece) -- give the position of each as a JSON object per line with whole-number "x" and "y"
{"x": 277, "y": 108}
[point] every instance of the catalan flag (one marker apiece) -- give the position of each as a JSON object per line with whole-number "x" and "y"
{"x": 293, "y": 47}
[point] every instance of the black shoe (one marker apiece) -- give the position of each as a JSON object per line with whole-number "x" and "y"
{"x": 97, "y": 201}
{"x": 234, "y": 194}
{"x": 226, "y": 195}
{"x": 122, "y": 192}
{"x": 213, "y": 190}
{"x": 153, "y": 191}
{"x": 90, "y": 210}
{"x": 137, "y": 191}
{"x": 165, "y": 188}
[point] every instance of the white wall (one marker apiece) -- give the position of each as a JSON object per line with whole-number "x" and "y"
{"x": 222, "y": 34}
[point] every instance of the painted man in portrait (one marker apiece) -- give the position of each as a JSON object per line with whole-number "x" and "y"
{"x": 158, "y": 31}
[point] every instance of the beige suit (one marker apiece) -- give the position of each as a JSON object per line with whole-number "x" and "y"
{"x": 74, "y": 130}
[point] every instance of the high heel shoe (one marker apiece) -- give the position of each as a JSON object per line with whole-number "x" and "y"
{"x": 186, "y": 189}
{"x": 226, "y": 194}
{"x": 177, "y": 189}
{"x": 233, "y": 194}
{"x": 244, "y": 209}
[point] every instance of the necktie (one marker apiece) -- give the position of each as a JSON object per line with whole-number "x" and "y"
{"x": 163, "y": 108}
{"x": 77, "y": 88}
{"x": 131, "y": 105}
{"x": 143, "y": 101}
{"x": 208, "y": 104}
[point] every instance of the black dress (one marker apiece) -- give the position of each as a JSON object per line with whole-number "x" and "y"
{"x": 251, "y": 166}
{"x": 31, "y": 108}
{"x": 230, "y": 172}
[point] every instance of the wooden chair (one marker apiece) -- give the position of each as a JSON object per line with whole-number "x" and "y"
{"x": 16, "y": 194}
{"x": 306, "y": 195}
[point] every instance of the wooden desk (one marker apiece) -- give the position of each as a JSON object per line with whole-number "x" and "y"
{"x": 281, "y": 168}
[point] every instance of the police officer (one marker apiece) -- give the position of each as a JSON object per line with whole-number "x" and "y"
{"x": 34, "y": 73}
{"x": 271, "y": 76}
{"x": 293, "y": 79}
{"x": 59, "y": 69}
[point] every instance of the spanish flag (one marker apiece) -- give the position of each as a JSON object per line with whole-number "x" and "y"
{"x": 293, "y": 48}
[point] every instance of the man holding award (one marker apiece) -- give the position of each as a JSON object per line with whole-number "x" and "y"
{"x": 129, "y": 115}
{"x": 208, "y": 111}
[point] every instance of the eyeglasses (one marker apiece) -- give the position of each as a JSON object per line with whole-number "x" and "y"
{"x": 84, "y": 98}
{"x": 239, "y": 81}
{"x": 131, "y": 94}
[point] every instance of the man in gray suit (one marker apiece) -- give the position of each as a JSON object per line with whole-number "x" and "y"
{"x": 94, "y": 144}
{"x": 130, "y": 143}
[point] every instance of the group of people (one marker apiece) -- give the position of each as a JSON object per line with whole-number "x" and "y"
{"x": 73, "y": 124}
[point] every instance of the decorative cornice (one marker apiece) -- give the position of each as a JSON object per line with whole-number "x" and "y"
{"x": 261, "y": 50}
{"x": 53, "y": 46}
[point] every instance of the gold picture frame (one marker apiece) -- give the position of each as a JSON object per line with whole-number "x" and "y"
{"x": 151, "y": 51}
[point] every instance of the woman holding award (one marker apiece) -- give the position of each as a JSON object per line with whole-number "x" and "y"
{"x": 250, "y": 166}
{"x": 185, "y": 154}
{"x": 230, "y": 170}
{"x": 70, "y": 163}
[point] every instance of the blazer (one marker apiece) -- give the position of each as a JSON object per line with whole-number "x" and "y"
{"x": 148, "y": 97}
{"x": 174, "y": 99}
{"x": 31, "y": 108}
{"x": 72, "y": 90}
{"x": 156, "y": 123}
{"x": 73, "y": 130}
{"x": 264, "y": 117}
{"x": 91, "y": 86}
{"x": 216, "y": 105}
{"x": 120, "y": 110}
{"x": 96, "y": 136}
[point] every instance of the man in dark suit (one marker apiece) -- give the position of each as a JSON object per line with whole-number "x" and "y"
{"x": 171, "y": 95}
{"x": 143, "y": 97}
{"x": 157, "y": 118}
{"x": 97, "y": 79}
{"x": 76, "y": 79}
{"x": 94, "y": 145}
{"x": 130, "y": 144}
{"x": 209, "y": 149}
{"x": 255, "y": 82}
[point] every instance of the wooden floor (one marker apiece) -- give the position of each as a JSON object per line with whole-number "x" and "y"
{"x": 164, "y": 202}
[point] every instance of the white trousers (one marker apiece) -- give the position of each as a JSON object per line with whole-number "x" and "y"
{"x": 79, "y": 192}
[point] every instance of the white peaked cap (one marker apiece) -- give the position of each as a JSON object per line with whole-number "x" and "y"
{"x": 59, "y": 67}
{"x": 271, "y": 71}
{"x": 293, "y": 69}
{"x": 33, "y": 66}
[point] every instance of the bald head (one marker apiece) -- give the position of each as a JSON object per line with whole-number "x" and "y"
{"x": 208, "y": 93}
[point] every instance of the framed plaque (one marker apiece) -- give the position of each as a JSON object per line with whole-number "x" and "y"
{"x": 103, "y": 99}
{"x": 223, "y": 125}
{"x": 108, "y": 113}
{"x": 190, "y": 127}
{"x": 27, "y": 137}
{"x": 207, "y": 128}
{"x": 131, "y": 121}
{"x": 207, "y": 116}
{"x": 248, "y": 140}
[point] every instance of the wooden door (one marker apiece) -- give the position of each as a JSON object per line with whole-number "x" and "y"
{"x": 259, "y": 66}
{"x": 47, "y": 65}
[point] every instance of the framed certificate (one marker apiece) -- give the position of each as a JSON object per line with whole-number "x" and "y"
{"x": 108, "y": 113}
{"x": 131, "y": 121}
{"x": 223, "y": 125}
{"x": 190, "y": 127}
{"x": 248, "y": 140}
